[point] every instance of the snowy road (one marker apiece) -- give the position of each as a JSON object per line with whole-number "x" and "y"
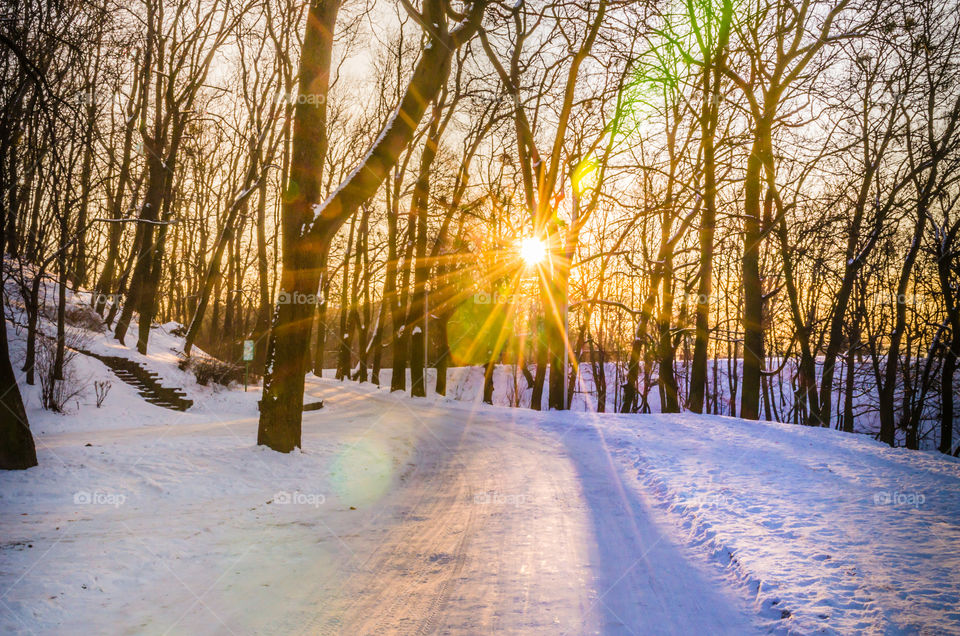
{"x": 498, "y": 528}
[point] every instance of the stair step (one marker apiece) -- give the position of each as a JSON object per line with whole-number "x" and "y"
{"x": 147, "y": 383}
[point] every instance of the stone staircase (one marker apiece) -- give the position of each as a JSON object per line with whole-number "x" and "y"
{"x": 147, "y": 383}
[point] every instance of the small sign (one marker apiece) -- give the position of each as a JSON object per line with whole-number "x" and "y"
{"x": 247, "y": 350}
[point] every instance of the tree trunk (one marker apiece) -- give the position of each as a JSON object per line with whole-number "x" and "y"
{"x": 320, "y": 344}
{"x": 308, "y": 232}
{"x": 263, "y": 279}
{"x": 536, "y": 398}
{"x": 887, "y": 408}
{"x": 419, "y": 203}
{"x": 443, "y": 354}
{"x": 555, "y": 329}
{"x": 343, "y": 333}
{"x": 752, "y": 317}
{"x": 849, "y": 380}
{"x": 287, "y": 357}
{"x": 401, "y": 345}
{"x": 61, "y": 297}
{"x": 947, "y": 396}
{"x": 17, "y": 451}
{"x": 946, "y": 254}
{"x": 708, "y": 224}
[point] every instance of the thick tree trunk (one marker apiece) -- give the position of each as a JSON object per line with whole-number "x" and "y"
{"x": 150, "y": 287}
{"x": 145, "y": 241}
{"x": 556, "y": 331}
{"x": 287, "y": 356}
{"x": 488, "y": 370}
{"x": 713, "y": 59}
{"x": 308, "y": 232}
{"x": 17, "y": 451}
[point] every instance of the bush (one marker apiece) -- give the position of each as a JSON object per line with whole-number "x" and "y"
{"x": 100, "y": 389}
{"x": 84, "y": 317}
{"x": 207, "y": 369}
{"x": 55, "y": 393}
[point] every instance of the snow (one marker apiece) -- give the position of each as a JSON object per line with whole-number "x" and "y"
{"x": 395, "y": 514}
{"x": 407, "y": 514}
{"x": 838, "y": 532}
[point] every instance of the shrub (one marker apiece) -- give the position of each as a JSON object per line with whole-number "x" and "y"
{"x": 84, "y": 317}
{"x": 100, "y": 389}
{"x": 56, "y": 393}
{"x": 207, "y": 369}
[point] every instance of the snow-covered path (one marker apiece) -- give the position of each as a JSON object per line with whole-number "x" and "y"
{"x": 498, "y": 529}
{"x": 401, "y": 516}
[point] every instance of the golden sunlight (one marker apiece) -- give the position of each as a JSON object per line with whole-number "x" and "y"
{"x": 533, "y": 251}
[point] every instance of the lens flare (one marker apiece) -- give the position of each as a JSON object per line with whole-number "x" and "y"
{"x": 533, "y": 251}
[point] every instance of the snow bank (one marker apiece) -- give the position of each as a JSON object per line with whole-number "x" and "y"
{"x": 831, "y": 532}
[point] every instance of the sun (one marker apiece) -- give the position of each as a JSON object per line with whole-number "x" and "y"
{"x": 533, "y": 251}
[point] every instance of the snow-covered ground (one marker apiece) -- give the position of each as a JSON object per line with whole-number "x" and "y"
{"x": 408, "y": 513}
{"x": 835, "y": 532}
{"x": 419, "y": 515}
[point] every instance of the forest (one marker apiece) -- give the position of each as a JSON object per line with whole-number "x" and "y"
{"x": 733, "y": 207}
